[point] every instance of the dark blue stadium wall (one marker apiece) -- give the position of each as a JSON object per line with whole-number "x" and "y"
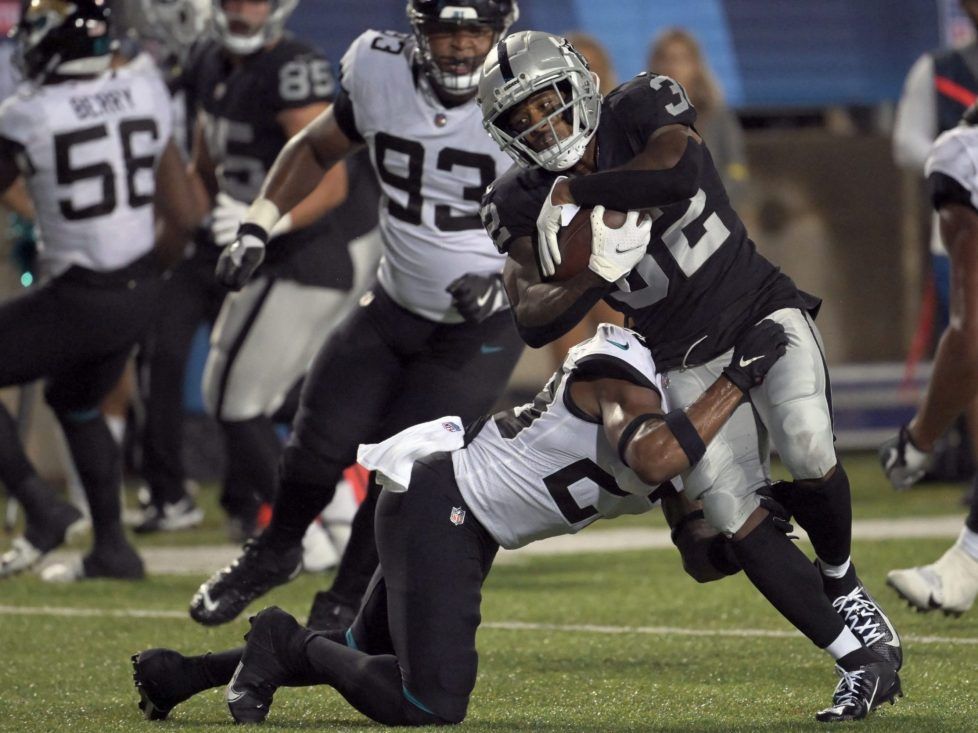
{"x": 766, "y": 53}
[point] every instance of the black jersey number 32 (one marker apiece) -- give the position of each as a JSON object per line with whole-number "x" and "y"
{"x": 448, "y": 158}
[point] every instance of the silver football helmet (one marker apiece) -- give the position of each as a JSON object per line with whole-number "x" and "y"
{"x": 175, "y": 23}
{"x": 525, "y": 64}
{"x": 248, "y": 43}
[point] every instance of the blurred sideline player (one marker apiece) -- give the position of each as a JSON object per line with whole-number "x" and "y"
{"x": 95, "y": 151}
{"x": 256, "y": 87}
{"x": 597, "y": 441}
{"x": 434, "y": 334}
{"x": 165, "y": 30}
{"x": 950, "y": 583}
{"x": 690, "y": 280}
{"x": 937, "y": 90}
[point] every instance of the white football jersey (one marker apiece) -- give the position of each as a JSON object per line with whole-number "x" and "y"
{"x": 955, "y": 154}
{"x": 89, "y": 154}
{"x": 547, "y": 468}
{"x": 433, "y": 164}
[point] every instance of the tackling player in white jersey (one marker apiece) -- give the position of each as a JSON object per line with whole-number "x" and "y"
{"x": 598, "y": 441}
{"x": 434, "y": 334}
{"x": 950, "y": 583}
{"x": 95, "y": 151}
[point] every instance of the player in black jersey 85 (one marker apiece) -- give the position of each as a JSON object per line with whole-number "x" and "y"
{"x": 594, "y": 443}
{"x": 690, "y": 290}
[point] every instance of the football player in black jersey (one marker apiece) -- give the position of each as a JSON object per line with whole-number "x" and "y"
{"x": 434, "y": 334}
{"x": 690, "y": 286}
{"x": 256, "y": 87}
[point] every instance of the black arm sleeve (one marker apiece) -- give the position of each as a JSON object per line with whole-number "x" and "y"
{"x": 946, "y": 190}
{"x": 634, "y": 189}
{"x": 347, "y": 121}
{"x": 537, "y": 336}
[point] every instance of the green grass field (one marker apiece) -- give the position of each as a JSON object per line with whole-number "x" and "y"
{"x": 596, "y": 642}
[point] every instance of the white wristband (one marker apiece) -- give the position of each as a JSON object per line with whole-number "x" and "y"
{"x": 284, "y": 225}
{"x": 264, "y": 213}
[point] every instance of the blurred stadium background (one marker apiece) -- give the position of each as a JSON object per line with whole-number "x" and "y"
{"x": 815, "y": 88}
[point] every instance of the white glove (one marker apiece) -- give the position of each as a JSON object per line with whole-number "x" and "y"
{"x": 614, "y": 252}
{"x": 226, "y": 217}
{"x": 548, "y": 224}
{"x": 903, "y": 463}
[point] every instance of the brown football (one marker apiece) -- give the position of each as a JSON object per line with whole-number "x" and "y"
{"x": 574, "y": 241}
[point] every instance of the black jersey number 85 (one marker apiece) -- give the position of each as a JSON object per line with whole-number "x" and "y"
{"x": 448, "y": 159}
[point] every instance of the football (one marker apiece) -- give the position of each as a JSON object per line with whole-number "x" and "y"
{"x": 574, "y": 241}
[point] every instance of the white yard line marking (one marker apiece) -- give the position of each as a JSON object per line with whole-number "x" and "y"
{"x": 202, "y": 560}
{"x": 495, "y": 625}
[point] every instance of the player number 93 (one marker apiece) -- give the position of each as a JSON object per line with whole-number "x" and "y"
{"x": 300, "y": 79}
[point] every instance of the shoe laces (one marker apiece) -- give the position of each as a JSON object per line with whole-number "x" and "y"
{"x": 861, "y": 615}
{"x": 851, "y": 688}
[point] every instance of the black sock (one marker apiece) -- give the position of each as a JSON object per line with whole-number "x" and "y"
{"x": 789, "y": 581}
{"x": 296, "y": 506}
{"x": 254, "y": 448}
{"x": 15, "y": 468}
{"x": 360, "y": 556}
{"x": 835, "y": 587}
{"x": 99, "y": 465}
{"x": 858, "y": 658}
{"x": 824, "y": 511}
{"x": 971, "y": 522}
{"x": 214, "y": 669}
{"x": 371, "y": 684}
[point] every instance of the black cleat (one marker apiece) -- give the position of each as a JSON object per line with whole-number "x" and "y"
{"x": 328, "y": 614}
{"x": 257, "y": 570}
{"x": 860, "y": 691}
{"x": 261, "y": 670}
{"x": 871, "y": 626}
{"x": 161, "y": 680}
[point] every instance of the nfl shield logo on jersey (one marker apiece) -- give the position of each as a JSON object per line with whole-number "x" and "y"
{"x": 457, "y": 516}
{"x": 452, "y": 427}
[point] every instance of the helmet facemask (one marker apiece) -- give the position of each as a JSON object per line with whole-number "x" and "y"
{"x": 580, "y": 105}
{"x": 246, "y": 44}
{"x": 177, "y": 24}
{"x": 463, "y": 83}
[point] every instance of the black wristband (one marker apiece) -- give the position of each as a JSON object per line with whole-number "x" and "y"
{"x": 683, "y": 521}
{"x": 687, "y": 437}
{"x": 254, "y": 230}
{"x": 631, "y": 429}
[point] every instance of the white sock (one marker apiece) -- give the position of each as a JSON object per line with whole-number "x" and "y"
{"x": 834, "y": 571}
{"x": 117, "y": 426}
{"x": 968, "y": 541}
{"x": 844, "y": 643}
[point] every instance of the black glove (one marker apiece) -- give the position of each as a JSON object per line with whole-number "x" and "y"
{"x": 756, "y": 353}
{"x": 241, "y": 258}
{"x": 476, "y": 297}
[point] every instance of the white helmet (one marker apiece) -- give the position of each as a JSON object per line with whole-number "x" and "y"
{"x": 175, "y": 23}
{"x": 242, "y": 45}
{"x": 522, "y": 65}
